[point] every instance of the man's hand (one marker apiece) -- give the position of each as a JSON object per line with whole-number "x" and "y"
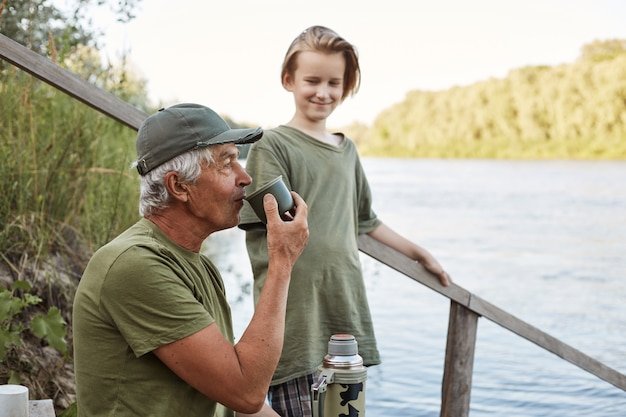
{"x": 286, "y": 239}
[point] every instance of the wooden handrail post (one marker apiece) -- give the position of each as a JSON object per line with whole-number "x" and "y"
{"x": 457, "y": 374}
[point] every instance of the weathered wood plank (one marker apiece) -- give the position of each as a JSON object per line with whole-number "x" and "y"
{"x": 456, "y": 387}
{"x": 548, "y": 342}
{"x": 71, "y": 84}
{"x": 410, "y": 268}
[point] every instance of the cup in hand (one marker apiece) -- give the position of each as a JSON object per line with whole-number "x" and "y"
{"x": 279, "y": 190}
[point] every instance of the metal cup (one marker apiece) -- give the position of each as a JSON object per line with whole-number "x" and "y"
{"x": 279, "y": 190}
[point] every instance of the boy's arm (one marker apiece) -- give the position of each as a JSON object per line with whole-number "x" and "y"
{"x": 387, "y": 236}
{"x": 266, "y": 411}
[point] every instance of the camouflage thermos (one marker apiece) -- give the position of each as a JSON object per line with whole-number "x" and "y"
{"x": 340, "y": 388}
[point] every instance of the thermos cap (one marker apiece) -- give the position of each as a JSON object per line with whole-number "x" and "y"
{"x": 343, "y": 353}
{"x": 342, "y": 345}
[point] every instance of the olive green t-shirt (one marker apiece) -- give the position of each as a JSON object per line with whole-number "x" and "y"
{"x": 327, "y": 292}
{"x": 139, "y": 292}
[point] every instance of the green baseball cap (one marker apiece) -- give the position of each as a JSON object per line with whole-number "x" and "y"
{"x": 183, "y": 127}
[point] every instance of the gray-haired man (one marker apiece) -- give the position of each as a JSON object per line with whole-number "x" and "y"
{"x": 152, "y": 327}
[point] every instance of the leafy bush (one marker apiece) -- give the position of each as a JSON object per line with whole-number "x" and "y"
{"x": 51, "y": 327}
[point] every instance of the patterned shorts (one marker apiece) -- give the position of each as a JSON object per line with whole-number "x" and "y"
{"x": 292, "y": 398}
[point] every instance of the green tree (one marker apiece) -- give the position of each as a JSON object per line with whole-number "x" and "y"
{"x": 43, "y": 27}
{"x": 573, "y": 110}
{"x": 39, "y": 25}
{"x": 600, "y": 50}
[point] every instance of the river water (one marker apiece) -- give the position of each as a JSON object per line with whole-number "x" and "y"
{"x": 543, "y": 240}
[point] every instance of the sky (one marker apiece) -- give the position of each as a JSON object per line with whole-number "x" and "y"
{"x": 228, "y": 54}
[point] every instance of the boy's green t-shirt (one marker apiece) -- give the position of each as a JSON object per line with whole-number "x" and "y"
{"x": 139, "y": 292}
{"x": 327, "y": 291}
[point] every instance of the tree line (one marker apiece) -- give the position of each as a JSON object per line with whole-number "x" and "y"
{"x": 569, "y": 111}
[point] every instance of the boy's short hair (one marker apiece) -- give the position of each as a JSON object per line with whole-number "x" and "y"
{"x": 325, "y": 40}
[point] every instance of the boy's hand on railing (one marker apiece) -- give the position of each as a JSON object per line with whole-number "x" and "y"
{"x": 432, "y": 266}
{"x": 387, "y": 236}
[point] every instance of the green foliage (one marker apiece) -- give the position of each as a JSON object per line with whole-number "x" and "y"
{"x": 86, "y": 62}
{"x": 50, "y": 327}
{"x": 65, "y": 171}
{"x": 50, "y": 31}
{"x": 71, "y": 411}
{"x": 603, "y": 50}
{"x": 66, "y": 182}
{"x": 68, "y": 188}
{"x": 39, "y": 25}
{"x": 566, "y": 112}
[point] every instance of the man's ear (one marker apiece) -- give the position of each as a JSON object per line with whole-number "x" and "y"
{"x": 178, "y": 190}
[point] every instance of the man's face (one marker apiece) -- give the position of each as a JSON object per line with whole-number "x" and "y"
{"x": 217, "y": 197}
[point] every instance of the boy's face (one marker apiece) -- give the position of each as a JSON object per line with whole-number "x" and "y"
{"x": 317, "y": 84}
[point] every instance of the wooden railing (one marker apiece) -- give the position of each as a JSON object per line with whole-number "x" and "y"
{"x": 465, "y": 307}
{"x": 71, "y": 84}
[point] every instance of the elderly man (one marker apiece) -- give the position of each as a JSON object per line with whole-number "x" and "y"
{"x": 152, "y": 327}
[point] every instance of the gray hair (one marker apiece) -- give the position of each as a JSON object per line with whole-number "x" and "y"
{"x": 153, "y": 195}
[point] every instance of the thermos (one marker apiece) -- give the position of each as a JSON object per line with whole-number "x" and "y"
{"x": 340, "y": 387}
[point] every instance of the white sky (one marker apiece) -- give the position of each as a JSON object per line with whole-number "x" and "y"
{"x": 227, "y": 54}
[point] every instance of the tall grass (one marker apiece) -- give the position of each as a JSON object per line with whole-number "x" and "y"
{"x": 65, "y": 180}
{"x": 66, "y": 188}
